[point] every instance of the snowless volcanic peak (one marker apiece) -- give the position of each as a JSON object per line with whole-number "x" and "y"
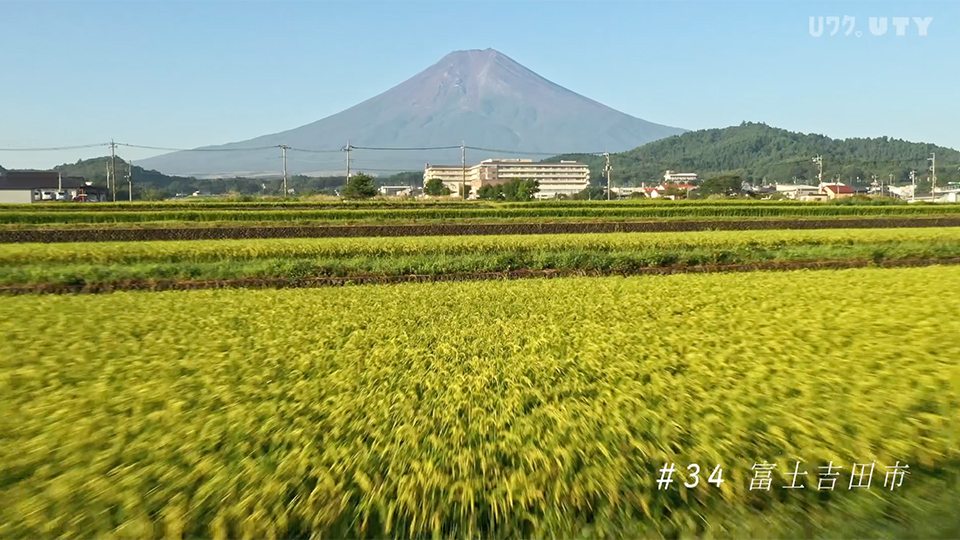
{"x": 481, "y": 97}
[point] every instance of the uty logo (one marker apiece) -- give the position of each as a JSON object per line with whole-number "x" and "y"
{"x": 879, "y": 26}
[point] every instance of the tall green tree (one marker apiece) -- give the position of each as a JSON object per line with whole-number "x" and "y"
{"x": 520, "y": 190}
{"x": 435, "y": 188}
{"x": 360, "y": 186}
{"x": 720, "y": 185}
{"x": 591, "y": 193}
{"x": 490, "y": 192}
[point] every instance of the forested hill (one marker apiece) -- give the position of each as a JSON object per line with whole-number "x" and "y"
{"x": 95, "y": 170}
{"x": 756, "y": 151}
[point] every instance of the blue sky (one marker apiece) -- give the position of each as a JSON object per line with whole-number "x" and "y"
{"x": 191, "y": 73}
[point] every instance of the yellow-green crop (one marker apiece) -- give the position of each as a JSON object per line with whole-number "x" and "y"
{"x": 215, "y": 250}
{"x": 118, "y": 263}
{"x": 519, "y": 409}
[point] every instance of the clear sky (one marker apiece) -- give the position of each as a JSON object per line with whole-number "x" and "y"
{"x": 191, "y": 73}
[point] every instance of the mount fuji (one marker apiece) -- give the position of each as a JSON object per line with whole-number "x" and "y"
{"x": 482, "y": 97}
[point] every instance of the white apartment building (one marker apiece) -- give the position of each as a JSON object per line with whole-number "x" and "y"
{"x": 679, "y": 178}
{"x": 566, "y": 177}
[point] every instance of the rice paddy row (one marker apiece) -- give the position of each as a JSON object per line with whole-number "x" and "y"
{"x": 134, "y": 263}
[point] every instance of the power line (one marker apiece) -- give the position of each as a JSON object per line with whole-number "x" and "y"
{"x": 361, "y": 169}
{"x": 865, "y": 161}
{"x": 316, "y": 151}
{"x": 403, "y": 149}
{"x": 196, "y": 149}
{"x": 365, "y": 159}
{"x": 326, "y": 161}
{"x": 55, "y": 148}
{"x": 530, "y": 153}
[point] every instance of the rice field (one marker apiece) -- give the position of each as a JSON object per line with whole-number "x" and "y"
{"x": 539, "y": 408}
{"x": 467, "y": 212}
{"x": 292, "y": 259}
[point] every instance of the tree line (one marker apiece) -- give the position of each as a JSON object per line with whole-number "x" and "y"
{"x": 153, "y": 185}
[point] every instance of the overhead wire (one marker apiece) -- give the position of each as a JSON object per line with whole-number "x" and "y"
{"x": 311, "y": 151}
{"x": 404, "y": 149}
{"x": 390, "y": 149}
{"x": 54, "y": 148}
{"x": 196, "y": 149}
{"x": 521, "y": 152}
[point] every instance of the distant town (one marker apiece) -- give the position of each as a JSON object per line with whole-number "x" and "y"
{"x": 566, "y": 179}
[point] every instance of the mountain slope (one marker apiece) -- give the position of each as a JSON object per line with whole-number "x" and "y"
{"x": 481, "y": 97}
{"x": 756, "y": 151}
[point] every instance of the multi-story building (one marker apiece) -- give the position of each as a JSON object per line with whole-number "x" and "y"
{"x": 564, "y": 178}
{"x": 679, "y": 178}
{"x": 452, "y": 176}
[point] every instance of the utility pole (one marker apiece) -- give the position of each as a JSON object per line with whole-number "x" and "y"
{"x": 913, "y": 182}
{"x": 819, "y": 161}
{"x": 874, "y": 178}
{"x": 347, "y": 149}
{"x": 59, "y": 182}
{"x": 463, "y": 170}
{"x": 933, "y": 173}
{"x": 606, "y": 169}
{"x": 130, "y": 180}
{"x": 113, "y": 168}
{"x": 283, "y": 150}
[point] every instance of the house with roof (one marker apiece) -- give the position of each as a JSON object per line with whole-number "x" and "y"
{"x": 836, "y": 190}
{"x": 663, "y": 189}
{"x": 35, "y": 186}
